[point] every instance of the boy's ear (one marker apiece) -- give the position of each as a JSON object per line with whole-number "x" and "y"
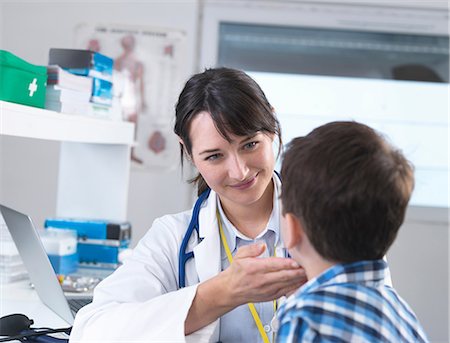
{"x": 293, "y": 233}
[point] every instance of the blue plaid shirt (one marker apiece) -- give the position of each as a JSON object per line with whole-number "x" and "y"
{"x": 348, "y": 303}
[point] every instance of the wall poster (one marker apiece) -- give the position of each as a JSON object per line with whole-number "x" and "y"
{"x": 148, "y": 75}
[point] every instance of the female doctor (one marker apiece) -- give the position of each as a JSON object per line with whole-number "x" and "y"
{"x": 179, "y": 284}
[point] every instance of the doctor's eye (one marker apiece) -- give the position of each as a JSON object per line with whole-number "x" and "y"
{"x": 212, "y": 157}
{"x": 250, "y": 145}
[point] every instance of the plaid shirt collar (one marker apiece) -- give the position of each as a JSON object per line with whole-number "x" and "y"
{"x": 370, "y": 273}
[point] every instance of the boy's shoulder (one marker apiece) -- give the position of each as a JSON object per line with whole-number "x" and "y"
{"x": 351, "y": 295}
{"x": 334, "y": 293}
{"x": 342, "y": 307}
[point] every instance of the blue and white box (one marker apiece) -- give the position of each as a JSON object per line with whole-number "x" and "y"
{"x": 61, "y": 248}
{"x": 100, "y": 242}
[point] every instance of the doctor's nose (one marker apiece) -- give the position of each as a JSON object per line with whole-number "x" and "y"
{"x": 237, "y": 168}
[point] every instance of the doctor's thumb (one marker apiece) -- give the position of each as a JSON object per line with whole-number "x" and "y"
{"x": 251, "y": 250}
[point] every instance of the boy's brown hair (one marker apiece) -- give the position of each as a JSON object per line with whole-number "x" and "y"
{"x": 349, "y": 188}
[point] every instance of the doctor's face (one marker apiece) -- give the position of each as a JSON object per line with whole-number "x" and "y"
{"x": 239, "y": 171}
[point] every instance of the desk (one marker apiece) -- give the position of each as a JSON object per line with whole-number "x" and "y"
{"x": 19, "y": 297}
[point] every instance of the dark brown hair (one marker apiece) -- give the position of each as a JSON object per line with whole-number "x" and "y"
{"x": 349, "y": 188}
{"x": 235, "y": 102}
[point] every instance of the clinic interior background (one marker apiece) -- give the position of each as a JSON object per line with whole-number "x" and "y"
{"x": 419, "y": 259}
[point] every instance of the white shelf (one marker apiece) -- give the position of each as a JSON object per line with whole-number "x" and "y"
{"x": 31, "y": 122}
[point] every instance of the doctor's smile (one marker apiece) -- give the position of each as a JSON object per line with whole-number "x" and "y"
{"x": 246, "y": 184}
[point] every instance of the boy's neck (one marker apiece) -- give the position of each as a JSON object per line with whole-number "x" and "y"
{"x": 318, "y": 268}
{"x": 314, "y": 264}
{"x": 307, "y": 256}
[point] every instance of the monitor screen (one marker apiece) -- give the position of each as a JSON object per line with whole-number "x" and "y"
{"x": 412, "y": 115}
{"x": 395, "y": 82}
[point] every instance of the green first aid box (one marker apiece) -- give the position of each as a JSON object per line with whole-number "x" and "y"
{"x": 22, "y": 82}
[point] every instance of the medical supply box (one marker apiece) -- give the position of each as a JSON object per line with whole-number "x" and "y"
{"x": 90, "y": 64}
{"x": 83, "y": 62}
{"x": 99, "y": 241}
{"x": 61, "y": 248}
{"x": 22, "y": 82}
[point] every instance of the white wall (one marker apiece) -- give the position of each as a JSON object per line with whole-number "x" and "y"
{"x": 419, "y": 262}
{"x": 29, "y": 29}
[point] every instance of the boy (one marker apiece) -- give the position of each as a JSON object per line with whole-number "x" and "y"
{"x": 344, "y": 195}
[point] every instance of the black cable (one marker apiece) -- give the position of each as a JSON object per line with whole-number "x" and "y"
{"x": 33, "y": 333}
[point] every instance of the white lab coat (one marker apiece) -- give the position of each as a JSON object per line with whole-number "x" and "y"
{"x": 141, "y": 300}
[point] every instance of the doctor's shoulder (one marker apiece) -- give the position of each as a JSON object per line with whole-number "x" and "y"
{"x": 169, "y": 227}
{"x": 163, "y": 237}
{"x": 177, "y": 224}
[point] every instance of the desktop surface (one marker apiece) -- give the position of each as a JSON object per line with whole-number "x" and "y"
{"x": 19, "y": 297}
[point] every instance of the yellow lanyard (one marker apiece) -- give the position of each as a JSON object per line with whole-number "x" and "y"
{"x": 251, "y": 306}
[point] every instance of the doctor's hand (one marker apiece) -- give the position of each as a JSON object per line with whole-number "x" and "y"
{"x": 247, "y": 279}
{"x": 253, "y": 279}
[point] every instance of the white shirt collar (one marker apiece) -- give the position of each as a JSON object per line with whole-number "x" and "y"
{"x": 232, "y": 233}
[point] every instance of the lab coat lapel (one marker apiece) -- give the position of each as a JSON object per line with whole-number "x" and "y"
{"x": 207, "y": 252}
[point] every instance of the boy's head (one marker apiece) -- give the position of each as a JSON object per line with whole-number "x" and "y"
{"x": 348, "y": 188}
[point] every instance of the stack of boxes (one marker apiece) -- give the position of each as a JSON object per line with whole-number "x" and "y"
{"x": 100, "y": 242}
{"x": 94, "y": 66}
{"x": 79, "y": 82}
{"x": 66, "y": 92}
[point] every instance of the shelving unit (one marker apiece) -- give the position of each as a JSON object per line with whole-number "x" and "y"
{"x": 30, "y": 122}
{"x": 94, "y": 158}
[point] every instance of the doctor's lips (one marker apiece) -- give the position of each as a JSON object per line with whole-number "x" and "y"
{"x": 246, "y": 184}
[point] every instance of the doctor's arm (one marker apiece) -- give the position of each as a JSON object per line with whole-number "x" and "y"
{"x": 248, "y": 279}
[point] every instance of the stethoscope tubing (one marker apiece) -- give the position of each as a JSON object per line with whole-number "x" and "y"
{"x": 193, "y": 225}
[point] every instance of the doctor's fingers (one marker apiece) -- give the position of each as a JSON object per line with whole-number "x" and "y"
{"x": 280, "y": 279}
{"x": 274, "y": 264}
{"x": 285, "y": 282}
{"x": 275, "y": 285}
{"x": 294, "y": 278}
{"x": 260, "y": 266}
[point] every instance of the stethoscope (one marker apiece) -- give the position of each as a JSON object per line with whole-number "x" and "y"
{"x": 193, "y": 225}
